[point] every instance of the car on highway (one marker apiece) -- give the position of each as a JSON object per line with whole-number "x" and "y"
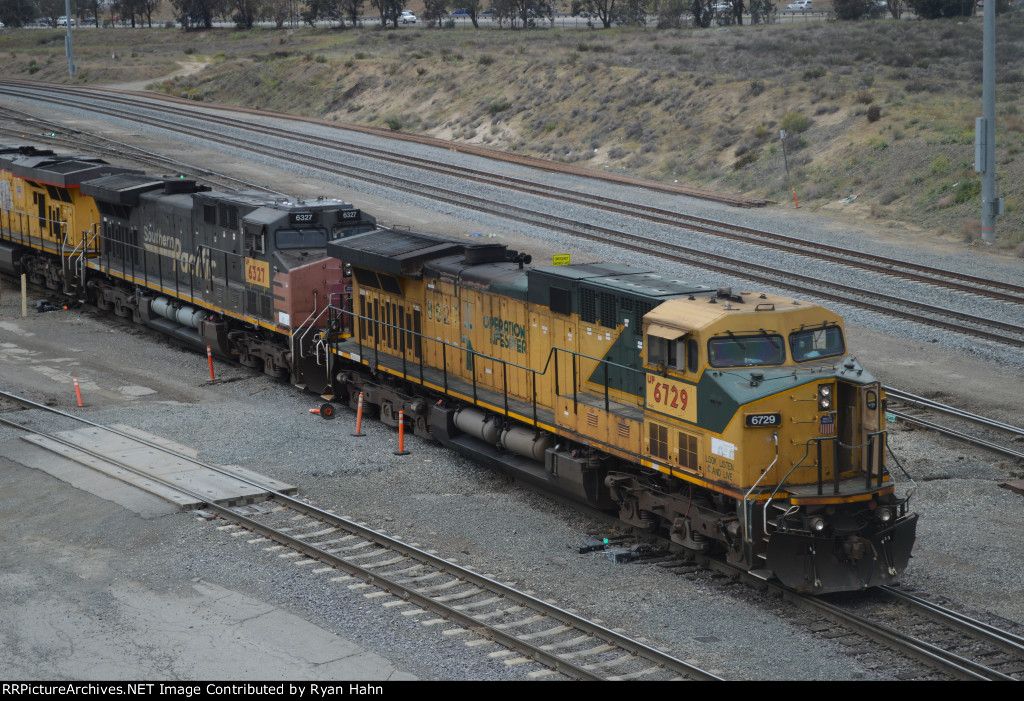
{"x": 65, "y": 21}
{"x": 407, "y": 17}
{"x": 800, "y": 6}
{"x": 722, "y": 7}
{"x": 460, "y": 12}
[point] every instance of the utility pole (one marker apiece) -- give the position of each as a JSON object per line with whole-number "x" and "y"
{"x": 985, "y": 131}
{"x": 67, "y": 40}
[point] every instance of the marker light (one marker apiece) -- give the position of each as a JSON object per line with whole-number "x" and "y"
{"x": 824, "y": 397}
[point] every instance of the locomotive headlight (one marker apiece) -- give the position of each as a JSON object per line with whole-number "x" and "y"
{"x": 824, "y": 397}
{"x": 816, "y": 524}
{"x": 884, "y": 514}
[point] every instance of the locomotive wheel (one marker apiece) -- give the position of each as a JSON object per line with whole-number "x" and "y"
{"x": 388, "y": 415}
{"x": 248, "y": 360}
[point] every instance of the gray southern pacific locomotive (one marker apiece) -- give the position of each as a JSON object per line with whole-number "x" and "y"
{"x": 243, "y": 272}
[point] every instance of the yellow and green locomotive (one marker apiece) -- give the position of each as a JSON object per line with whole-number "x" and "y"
{"x": 730, "y": 422}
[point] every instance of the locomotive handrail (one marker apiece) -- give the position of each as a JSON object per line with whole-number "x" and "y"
{"x": 310, "y": 327}
{"x": 88, "y": 236}
{"x": 747, "y": 527}
{"x": 552, "y": 353}
{"x": 778, "y": 487}
{"x": 542, "y": 371}
{"x": 911, "y": 490}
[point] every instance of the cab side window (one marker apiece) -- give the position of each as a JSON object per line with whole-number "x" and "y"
{"x": 678, "y": 354}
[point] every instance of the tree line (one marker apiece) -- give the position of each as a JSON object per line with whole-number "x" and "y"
{"x": 199, "y": 14}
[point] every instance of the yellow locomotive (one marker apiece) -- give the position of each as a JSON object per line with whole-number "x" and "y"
{"x": 731, "y": 422}
{"x": 243, "y": 273}
{"x": 45, "y": 218}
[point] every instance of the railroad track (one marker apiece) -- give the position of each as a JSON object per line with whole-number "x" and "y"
{"x": 934, "y": 642}
{"x": 944, "y": 644}
{"x": 930, "y": 407}
{"x": 901, "y": 306}
{"x": 539, "y": 635}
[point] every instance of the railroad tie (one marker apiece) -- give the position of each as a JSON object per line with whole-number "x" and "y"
{"x": 384, "y": 563}
{"x": 501, "y": 612}
{"x": 516, "y": 624}
{"x": 584, "y": 653}
{"x": 567, "y": 643}
{"x": 557, "y": 630}
{"x": 542, "y": 673}
{"x": 633, "y": 675}
{"x": 440, "y": 587}
{"x": 610, "y": 663}
{"x": 477, "y": 604}
{"x": 475, "y": 591}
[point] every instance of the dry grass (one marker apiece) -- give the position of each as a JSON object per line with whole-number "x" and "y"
{"x": 879, "y": 110}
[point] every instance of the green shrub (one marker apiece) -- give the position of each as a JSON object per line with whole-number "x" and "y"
{"x": 795, "y": 123}
{"x": 496, "y": 106}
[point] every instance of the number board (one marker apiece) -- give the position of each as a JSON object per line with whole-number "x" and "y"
{"x": 349, "y": 214}
{"x": 303, "y": 218}
{"x": 764, "y": 420}
{"x": 677, "y": 399}
{"x": 257, "y": 272}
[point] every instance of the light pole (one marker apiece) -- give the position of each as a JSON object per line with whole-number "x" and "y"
{"x": 67, "y": 39}
{"x": 985, "y": 131}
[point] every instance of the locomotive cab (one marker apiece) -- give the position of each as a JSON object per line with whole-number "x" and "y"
{"x": 792, "y": 427}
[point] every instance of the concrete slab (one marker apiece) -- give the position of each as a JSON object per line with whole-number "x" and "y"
{"x": 74, "y": 473}
{"x": 93, "y": 593}
{"x": 210, "y": 633}
{"x": 158, "y": 465}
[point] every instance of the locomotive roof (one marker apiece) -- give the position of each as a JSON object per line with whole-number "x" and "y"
{"x": 58, "y": 170}
{"x": 22, "y": 149}
{"x": 622, "y": 279}
{"x": 412, "y": 253}
{"x": 391, "y": 251}
{"x": 122, "y": 188}
{"x": 256, "y": 198}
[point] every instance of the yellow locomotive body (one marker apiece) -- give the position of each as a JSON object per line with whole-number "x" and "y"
{"x": 731, "y": 422}
{"x": 44, "y": 217}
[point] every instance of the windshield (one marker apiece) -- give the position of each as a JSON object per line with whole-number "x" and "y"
{"x": 735, "y": 351}
{"x": 812, "y": 344}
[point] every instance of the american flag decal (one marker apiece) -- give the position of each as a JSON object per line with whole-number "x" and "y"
{"x": 827, "y": 426}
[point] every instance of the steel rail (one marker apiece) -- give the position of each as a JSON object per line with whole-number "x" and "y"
{"x": 1004, "y": 640}
{"x": 471, "y": 149}
{"x": 909, "y": 398}
{"x": 965, "y": 437}
{"x": 844, "y": 256}
{"x": 627, "y": 644}
{"x": 933, "y": 655}
{"x": 725, "y": 264}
